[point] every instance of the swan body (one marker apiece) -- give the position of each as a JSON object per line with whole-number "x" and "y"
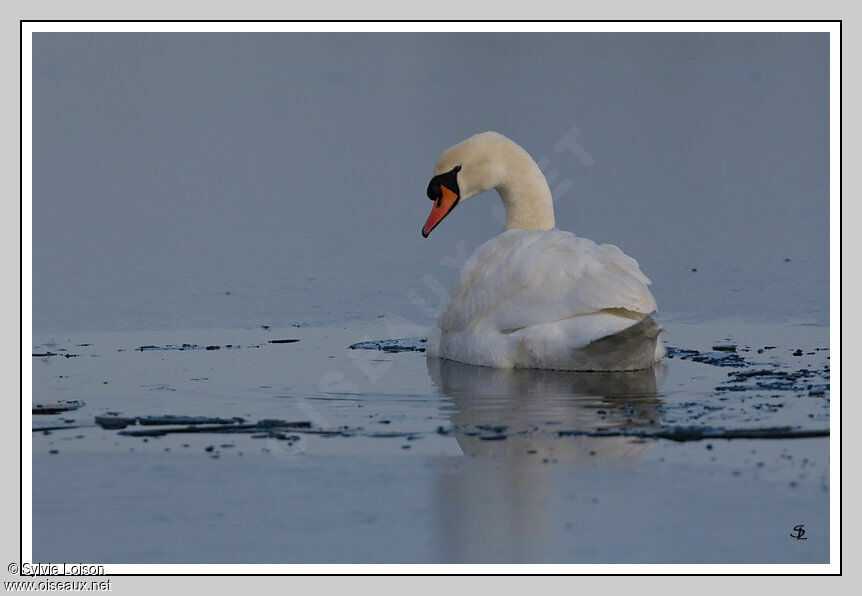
{"x": 534, "y": 296}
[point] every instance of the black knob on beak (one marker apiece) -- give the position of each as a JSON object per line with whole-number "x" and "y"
{"x": 434, "y": 191}
{"x": 449, "y": 180}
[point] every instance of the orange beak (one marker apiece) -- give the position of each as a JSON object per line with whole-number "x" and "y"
{"x": 442, "y": 206}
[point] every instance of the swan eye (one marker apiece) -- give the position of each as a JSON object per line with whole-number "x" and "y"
{"x": 457, "y": 169}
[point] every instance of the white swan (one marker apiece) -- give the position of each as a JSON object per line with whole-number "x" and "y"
{"x": 535, "y": 297}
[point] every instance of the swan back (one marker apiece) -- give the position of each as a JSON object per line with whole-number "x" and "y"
{"x": 523, "y": 278}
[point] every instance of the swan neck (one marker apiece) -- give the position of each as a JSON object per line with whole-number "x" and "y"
{"x": 526, "y": 196}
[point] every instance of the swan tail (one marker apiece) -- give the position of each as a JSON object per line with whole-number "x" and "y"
{"x": 634, "y": 348}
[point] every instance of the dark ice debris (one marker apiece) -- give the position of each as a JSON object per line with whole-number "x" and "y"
{"x": 330, "y": 433}
{"x": 181, "y": 347}
{"x": 272, "y": 422}
{"x": 56, "y": 407}
{"x": 117, "y": 422}
{"x": 114, "y": 422}
{"x": 283, "y": 341}
{"x": 797, "y": 353}
{"x": 775, "y": 380}
{"x": 277, "y": 435}
{"x": 167, "y": 420}
{"x": 495, "y": 429}
{"x": 251, "y": 428}
{"x": 44, "y": 354}
{"x": 747, "y": 374}
{"x": 731, "y": 359}
{"x": 683, "y": 434}
{"x": 168, "y": 347}
{"x": 409, "y": 344}
{"x": 724, "y": 347}
{"x": 290, "y": 430}
{"x": 682, "y": 353}
{"x": 47, "y": 429}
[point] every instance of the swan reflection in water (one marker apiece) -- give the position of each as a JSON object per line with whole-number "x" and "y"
{"x": 521, "y": 503}
{"x": 530, "y": 407}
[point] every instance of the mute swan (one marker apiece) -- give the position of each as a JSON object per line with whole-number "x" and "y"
{"x": 534, "y": 296}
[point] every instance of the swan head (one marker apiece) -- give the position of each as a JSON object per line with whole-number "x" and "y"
{"x": 463, "y": 171}
{"x": 484, "y": 161}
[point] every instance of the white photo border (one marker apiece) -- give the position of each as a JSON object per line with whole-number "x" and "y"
{"x": 833, "y": 28}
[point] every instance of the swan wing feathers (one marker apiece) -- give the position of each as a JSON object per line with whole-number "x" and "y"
{"x": 523, "y": 278}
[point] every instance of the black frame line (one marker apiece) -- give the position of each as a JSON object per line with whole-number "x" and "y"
{"x": 840, "y": 22}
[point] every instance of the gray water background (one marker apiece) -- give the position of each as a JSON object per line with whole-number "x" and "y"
{"x": 232, "y": 180}
{"x": 189, "y": 185}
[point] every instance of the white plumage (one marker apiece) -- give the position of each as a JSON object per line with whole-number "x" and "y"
{"x": 542, "y": 298}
